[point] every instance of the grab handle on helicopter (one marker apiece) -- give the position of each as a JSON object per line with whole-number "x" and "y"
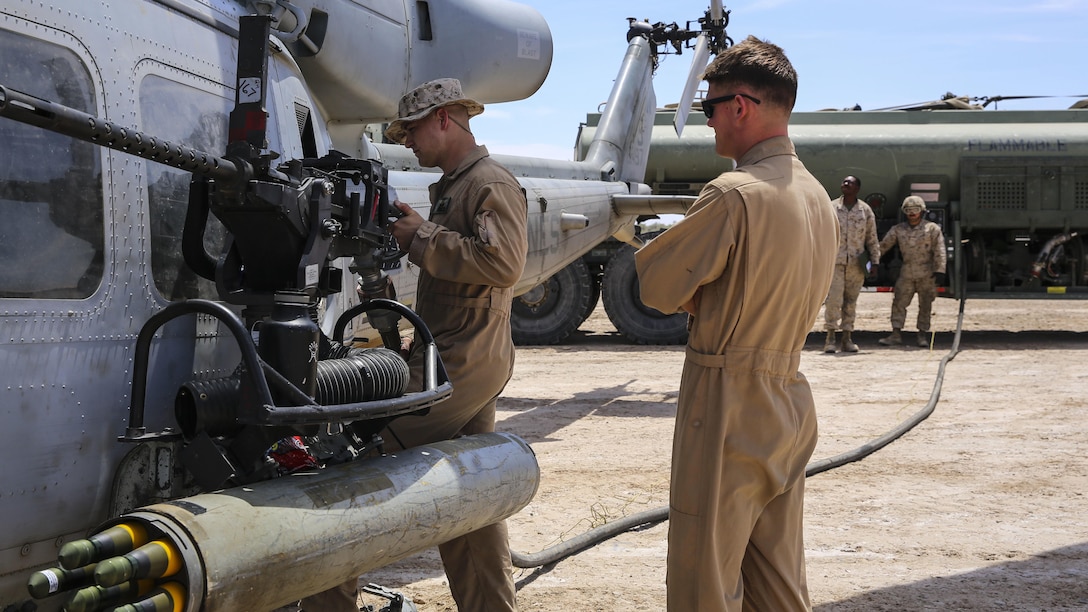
{"x": 136, "y": 431}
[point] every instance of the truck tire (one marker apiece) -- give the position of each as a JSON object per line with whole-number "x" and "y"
{"x": 594, "y": 296}
{"x": 633, "y": 319}
{"x": 552, "y": 310}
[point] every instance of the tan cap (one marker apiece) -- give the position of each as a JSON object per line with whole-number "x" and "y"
{"x": 913, "y": 203}
{"x": 419, "y": 102}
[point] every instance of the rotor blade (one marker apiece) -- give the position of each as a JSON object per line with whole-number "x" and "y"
{"x": 918, "y": 105}
{"x": 698, "y": 65}
{"x": 987, "y": 100}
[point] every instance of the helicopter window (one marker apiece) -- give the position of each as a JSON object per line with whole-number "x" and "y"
{"x": 190, "y": 116}
{"x": 51, "y": 211}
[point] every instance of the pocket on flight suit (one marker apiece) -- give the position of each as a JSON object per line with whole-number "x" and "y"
{"x": 691, "y": 465}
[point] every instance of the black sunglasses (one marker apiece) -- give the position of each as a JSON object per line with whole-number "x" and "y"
{"x": 708, "y": 105}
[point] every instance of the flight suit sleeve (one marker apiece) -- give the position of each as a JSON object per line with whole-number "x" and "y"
{"x": 493, "y": 254}
{"x": 691, "y": 253}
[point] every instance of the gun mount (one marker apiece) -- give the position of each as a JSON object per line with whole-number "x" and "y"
{"x": 287, "y": 225}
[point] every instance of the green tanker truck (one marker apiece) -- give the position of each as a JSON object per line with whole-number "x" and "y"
{"x": 1009, "y": 188}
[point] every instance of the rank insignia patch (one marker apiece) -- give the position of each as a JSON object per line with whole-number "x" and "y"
{"x": 442, "y": 207}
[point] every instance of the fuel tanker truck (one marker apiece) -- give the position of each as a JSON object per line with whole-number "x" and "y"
{"x": 1009, "y": 188}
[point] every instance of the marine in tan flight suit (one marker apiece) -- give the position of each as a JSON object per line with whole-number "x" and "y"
{"x": 751, "y": 262}
{"x": 470, "y": 253}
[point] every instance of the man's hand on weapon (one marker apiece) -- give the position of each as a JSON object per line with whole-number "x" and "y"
{"x": 404, "y": 228}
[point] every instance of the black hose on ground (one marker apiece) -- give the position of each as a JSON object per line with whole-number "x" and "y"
{"x": 649, "y": 518}
{"x": 589, "y": 539}
{"x": 871, "y": 447}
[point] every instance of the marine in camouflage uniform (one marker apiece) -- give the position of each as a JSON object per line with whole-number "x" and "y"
{"x": 470, "y": 253}
{"x": 858, "y": 244}
{"x": 921, "y": 244}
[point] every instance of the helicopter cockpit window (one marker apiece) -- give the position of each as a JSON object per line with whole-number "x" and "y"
{"x": 51, "y": 220}
{"x": 185, "y": 115}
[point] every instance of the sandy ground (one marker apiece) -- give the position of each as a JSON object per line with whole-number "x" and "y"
{"x": 980, "y": 507}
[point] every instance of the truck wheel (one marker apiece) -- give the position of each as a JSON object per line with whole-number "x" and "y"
{"x": 550, "y": 311}
{"x": 594, "y": 296}
{"x": 633, "y": 319}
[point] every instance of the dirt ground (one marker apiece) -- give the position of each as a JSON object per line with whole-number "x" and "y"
{"x": 980, "y": 507}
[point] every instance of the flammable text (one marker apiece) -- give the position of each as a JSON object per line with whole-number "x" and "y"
{"x": 1015, "y": 145}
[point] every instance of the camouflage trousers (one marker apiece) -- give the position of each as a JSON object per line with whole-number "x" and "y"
{"x": 905, "y": 288}
{"x": 840, "y": 307}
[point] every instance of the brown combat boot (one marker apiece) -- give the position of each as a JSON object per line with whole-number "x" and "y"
{"x": 893, "y": 340}
{"x": 848, "y": 345}
{"x": 829, "y": 344}
{"x": 923, "y": 339}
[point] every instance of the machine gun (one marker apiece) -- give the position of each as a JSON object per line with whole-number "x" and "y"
{"x": 287, "y": 225}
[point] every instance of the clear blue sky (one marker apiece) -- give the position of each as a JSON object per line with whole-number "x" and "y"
{"x": 875, "y": 53}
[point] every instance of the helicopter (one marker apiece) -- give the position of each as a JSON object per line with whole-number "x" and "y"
{"x": 201, "y": 301}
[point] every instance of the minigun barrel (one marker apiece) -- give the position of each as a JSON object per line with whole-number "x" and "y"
{"x": 61, "y": 119}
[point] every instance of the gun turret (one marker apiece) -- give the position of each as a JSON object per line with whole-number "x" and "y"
{"x": 287, "y": 224}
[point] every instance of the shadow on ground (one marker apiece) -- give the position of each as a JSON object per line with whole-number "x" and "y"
{"x": 1048, "y": 581}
